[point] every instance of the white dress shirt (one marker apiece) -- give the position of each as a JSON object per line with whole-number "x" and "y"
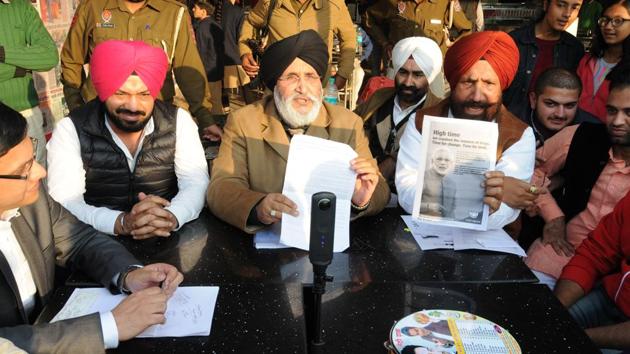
{"x": 398, "y": 113}
{"x": 14, "y": 255}
{"x": 66, "y": 175}
{"x": 517, "y": 161}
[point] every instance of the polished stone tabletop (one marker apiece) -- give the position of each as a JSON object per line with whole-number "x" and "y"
{"x": 358, "y": 319}
{"x": 211, "y": 251}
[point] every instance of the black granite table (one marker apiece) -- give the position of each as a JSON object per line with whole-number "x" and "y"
{"x": 248, "y": 318}
{"x": 357, "y": 319}
{"x": 211, "y": 251}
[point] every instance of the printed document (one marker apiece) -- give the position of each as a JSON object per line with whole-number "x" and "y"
{"x": 317, "y": 165}
{"x": 455, "y": 155}
{"x": 430, "y": 236}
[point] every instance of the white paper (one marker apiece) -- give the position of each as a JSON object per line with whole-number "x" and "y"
{"x": 454, "y": 156}
{"x": 317, "y": 165}
{"x": 430, "y": 236}
{"x": 491, "y": 240}
{"x": 269, "y": 238}
{"x": 189, "y": 311}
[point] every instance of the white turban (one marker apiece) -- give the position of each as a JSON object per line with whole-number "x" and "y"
{"x": 424, "y": 51}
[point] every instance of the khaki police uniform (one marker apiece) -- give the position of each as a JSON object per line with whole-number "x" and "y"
{"x": 327, "y": 17}
{"x": 389, "y": 21}
{"x": 96, "y": 21}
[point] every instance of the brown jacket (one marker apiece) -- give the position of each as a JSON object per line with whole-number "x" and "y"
{"x": 366, "y": 109}
{"x": 253, "y": 158}
{"x": 388, "y": 21}
{"x": 327, "y": 17}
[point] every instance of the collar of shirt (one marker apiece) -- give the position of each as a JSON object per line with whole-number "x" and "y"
{"x": 112, "y": 4}
{"x": 8, "y": 215}
{"x": 131, "y": 160}
{"x": 398, "y": 114}
{"x": 618, "y": 164}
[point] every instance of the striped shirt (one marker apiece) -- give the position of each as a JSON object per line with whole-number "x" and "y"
{"x": 25, "y": 46}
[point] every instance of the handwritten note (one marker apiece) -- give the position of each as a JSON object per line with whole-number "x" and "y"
{"x": 189, "y": 311}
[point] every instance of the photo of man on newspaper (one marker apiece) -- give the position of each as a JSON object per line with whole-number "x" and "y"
{"x": 438, "y": 192}
{"x": 456, "y": 154}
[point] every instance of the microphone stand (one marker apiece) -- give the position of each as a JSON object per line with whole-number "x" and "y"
{"x": 319, "y": 288}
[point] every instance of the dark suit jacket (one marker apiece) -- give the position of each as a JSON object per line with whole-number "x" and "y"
{"x": 231, "y": 23}
{"x": 49, "y": 235}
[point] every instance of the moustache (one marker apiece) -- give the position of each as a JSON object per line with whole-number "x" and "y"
{"x": 473, "y": 104}
{"x": 408, "y": 88}
{"x": 130, "y": 112}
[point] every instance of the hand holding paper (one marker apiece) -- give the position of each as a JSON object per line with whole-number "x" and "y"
{"x": 367, "y": 179}
{"x": 493, "y": 186}
{"x": 271, "y": 208}
{"x": 139, "y": 311}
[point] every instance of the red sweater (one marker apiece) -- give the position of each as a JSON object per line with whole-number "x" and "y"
{"x": 606, "y": 254}
{"x": 592, "y": 102}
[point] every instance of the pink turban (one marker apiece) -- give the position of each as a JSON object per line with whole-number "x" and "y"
{"x": 114, "y": 61}
{"x": 497, "y": 48}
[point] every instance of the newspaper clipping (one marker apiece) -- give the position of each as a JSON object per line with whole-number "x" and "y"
{"x": 455, "y": 155}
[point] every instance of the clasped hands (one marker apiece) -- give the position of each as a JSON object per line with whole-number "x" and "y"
{"x": 148, "y": 218}
{"x": 271, "y": 208}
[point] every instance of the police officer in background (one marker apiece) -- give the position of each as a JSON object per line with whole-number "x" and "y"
{"x": 389, "y": 21}
{"x": 289, "y": 17}
{"x": 161, "y": 23}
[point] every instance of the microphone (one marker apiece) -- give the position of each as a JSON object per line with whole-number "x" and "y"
{"x": 322, "y": 229}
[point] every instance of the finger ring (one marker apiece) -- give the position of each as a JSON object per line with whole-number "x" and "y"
{"x": 272, "y": 213}
{"x": 533, "y": 189}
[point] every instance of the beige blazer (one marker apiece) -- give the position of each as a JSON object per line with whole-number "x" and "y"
{"x": 253, "y": 158}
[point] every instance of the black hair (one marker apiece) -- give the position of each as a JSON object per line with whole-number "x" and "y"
{"x": 598, "y": 45}
{"x": 13, "y": 128}
{"x": 558, "y": 78}
{"x": 209, "y": 6}
{"x": 619, "y": 77}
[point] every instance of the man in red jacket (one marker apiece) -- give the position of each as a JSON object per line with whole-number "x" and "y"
{"x": 603, "y": 309}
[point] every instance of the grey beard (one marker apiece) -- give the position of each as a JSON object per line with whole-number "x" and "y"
{"x": 290, "y": 116}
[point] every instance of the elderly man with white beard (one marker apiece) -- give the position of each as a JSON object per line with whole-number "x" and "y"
{"x": 248, "y": 174}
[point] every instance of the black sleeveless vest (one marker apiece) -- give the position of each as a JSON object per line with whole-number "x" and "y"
{"x": 108, "y": 180}
{"x": 587, "y": 157}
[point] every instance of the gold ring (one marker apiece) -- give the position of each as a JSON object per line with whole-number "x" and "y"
{"x": 533, "y": 189}
{"x": 272, "y": 213}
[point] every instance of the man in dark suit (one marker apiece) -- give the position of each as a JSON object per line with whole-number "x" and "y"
{"x": 36, "y": 233}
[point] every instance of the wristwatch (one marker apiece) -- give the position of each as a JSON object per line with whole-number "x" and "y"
{"x": 120, "y": 283}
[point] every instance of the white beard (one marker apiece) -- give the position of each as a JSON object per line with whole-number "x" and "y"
{"x": 292, "y": 117}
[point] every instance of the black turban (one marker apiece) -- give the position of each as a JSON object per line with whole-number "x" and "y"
{"x": 306, "y": 45}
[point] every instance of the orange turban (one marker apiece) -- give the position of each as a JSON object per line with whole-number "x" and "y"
{"x": 497, "y": 48}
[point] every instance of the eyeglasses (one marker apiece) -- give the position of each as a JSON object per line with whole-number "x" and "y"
{"x": 615, "y": 21}
{"x": 27, "y": 168}
{"x": 294, "y": 78}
